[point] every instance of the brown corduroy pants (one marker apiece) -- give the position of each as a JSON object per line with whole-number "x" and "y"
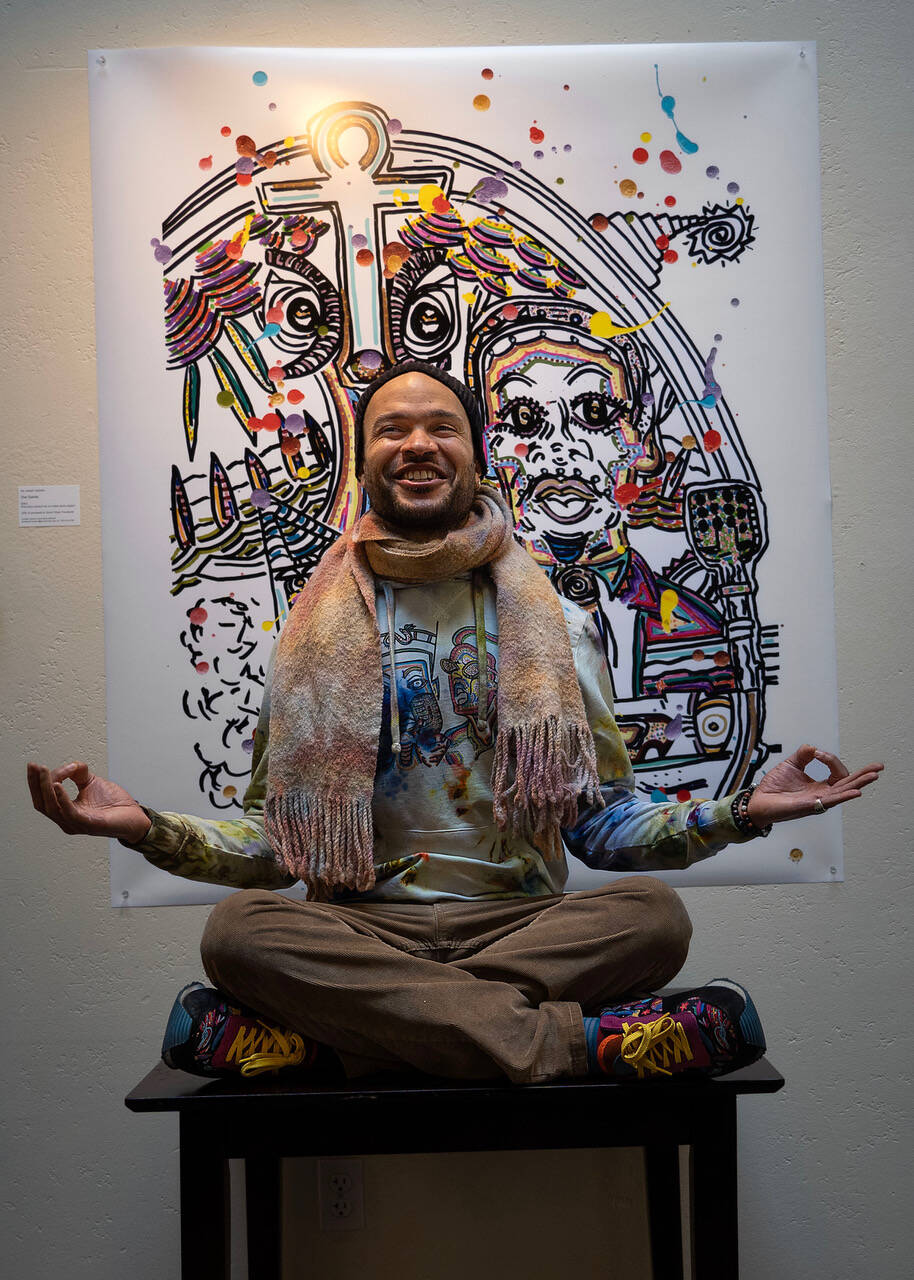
{"x": 469, "y": 990}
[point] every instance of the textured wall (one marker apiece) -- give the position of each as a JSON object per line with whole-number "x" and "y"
{"x": 825, "y": 1177}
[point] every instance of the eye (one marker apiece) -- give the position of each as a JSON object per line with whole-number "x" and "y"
{"x": 312, "y": 323}
{"x": 423, "y": 308}
{"x": 597, "y": 409}
{"x": 523, "y": 415}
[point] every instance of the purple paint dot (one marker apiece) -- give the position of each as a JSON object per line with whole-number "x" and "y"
{"x": 394, "y": 126}
{"x": 733, "y": 188}
{"x": 517, "y": 164}
{"x": 537, "y": 155}
{"x": 272, "y": 106}
{"x": 555, "y": 151}
{"x": 248, "y": 745}
{"x": 244, "y": 164}
{"x": 359, "y": 242}
{"x": 718, "y": 337}
{"x": 734, "y": 302}
{"x": 712, "y": 171}
{"x": 647, "y": 398}
{"x": 294, "y": 424}
{"x": 567, "y": 146}
{"x": 370, "y": 360}
{"x": 162, "y": 254}
{"x": 260, "y": 498}
{"x": 155, "y": 242}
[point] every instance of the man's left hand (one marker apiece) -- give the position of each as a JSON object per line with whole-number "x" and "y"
{"x": 787, "y": 791}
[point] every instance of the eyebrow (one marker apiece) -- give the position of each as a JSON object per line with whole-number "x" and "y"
{"x": 511, "y": 376}
{"x": 590, "y": 367}
{"x": 396, "y": 415}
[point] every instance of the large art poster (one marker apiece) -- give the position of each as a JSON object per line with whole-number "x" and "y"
{"x": 617, "y": 248}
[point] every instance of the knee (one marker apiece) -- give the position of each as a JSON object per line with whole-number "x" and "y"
{"x": 229, "y": 930}
{"x": 666, "y": 924}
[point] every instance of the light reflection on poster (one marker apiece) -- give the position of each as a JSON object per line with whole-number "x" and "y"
{"x": 616, "y": 248}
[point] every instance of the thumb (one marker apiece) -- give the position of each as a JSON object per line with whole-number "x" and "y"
{"x": 79, "y": 772}
{"x": 803, "y": 755}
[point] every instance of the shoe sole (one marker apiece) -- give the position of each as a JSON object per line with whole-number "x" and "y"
{"x": 750, "y": 1024}
{"x": 179, "y": 1026}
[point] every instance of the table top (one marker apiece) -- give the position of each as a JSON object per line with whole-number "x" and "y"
{"x": 164, "y": 1089}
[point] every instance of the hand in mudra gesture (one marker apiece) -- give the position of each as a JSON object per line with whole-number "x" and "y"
{"x": 787, "y": 791}
{"x": 101, "y": 808}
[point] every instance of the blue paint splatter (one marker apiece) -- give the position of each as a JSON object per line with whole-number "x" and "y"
{"x": 260, "y": 78}
{"x": 269, "y": 331}
{"x": 711, "y": 387}
{"x": 668, "y": 107}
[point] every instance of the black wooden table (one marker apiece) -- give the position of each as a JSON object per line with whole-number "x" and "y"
{"x": 260, "y": 1121}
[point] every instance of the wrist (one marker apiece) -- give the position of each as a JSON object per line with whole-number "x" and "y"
{"x": 745, "y": 814}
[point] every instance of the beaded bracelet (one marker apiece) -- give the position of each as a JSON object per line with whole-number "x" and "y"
{"x": 739, "y": 810}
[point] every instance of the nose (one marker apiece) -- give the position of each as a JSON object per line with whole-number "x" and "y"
{"x": 419, "y": 440}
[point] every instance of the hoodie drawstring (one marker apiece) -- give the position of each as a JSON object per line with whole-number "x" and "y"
{"x": 482, "y": 657}
{"x": 390, "y": 604}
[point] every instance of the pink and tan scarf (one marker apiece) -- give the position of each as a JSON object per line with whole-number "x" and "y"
{"x": 327, "y": 694}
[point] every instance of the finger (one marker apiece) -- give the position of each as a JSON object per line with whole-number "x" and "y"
{"x": 832, "y": 799}
{"x": 802, "y": 756}
{"x": 837, "y": 768}
{"x": 71, "y": 820}
{"x": 31, "y": 772}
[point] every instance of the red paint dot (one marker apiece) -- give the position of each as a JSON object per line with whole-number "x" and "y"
{"x": 277, "y": 373}
{"x": 202, "y": 668}
{"x": 566, "y": 86}
{"x": 243, "y": 179}
{"x": 625, "y": 494}
{"x": 670, "y": 163}
{"x": 698, "y": 655}
{"x": 683, "y": 794}
{"x": 233, "y": 249}
{"x": 271, "y": 422}
{"x": 599, "y": 222}
{"x": 255, "y": 424}
{"x": 225, "y": 131}
{"x": 669, "y": 201}
{"x": 521, "y": 450}
{"x": 536, "y": 135}
{"x": 274, "y": 315}
{"x": 364, "y": 257}
{"x": 671, "y": 256}
{"x": 711, "y": 441}
{"x": 721, "y": 659}
{"x": 295, "y": 397}
{"x": 487, "y": 73}
{"x": 289, "y": 445}
{"x": 197, "y": 616}
{"x": 640, "y": 156}
{"x": 205, "y": 162}
{"x": 662, "y": 242}
{"x": 509, "y": 311}
{"x": 441, "y": 204}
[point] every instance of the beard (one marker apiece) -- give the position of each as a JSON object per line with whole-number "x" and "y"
{"x": 434, "y": 515}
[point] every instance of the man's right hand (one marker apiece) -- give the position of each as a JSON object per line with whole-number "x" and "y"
{"x": 101, "y": 808}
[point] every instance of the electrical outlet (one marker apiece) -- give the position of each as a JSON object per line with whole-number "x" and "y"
{"x": 339, "y": 1185}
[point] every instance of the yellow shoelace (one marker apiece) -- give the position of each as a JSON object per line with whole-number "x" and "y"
{"x": 655, "y": 1046}
{"x": 262, "y": 1048}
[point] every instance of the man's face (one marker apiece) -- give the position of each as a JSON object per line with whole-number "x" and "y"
{"x": 419, "y": 469}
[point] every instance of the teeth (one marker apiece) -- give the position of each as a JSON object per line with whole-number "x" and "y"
{"x": 420, "y": 475}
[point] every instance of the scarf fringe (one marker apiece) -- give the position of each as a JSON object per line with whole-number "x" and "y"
{"x": 325, "y": 840}
{"x": 554, "y": 766}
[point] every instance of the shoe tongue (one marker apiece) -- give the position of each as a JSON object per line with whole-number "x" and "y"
{"x": 612, "y": 1025}
{"x": 230, "y": 1048}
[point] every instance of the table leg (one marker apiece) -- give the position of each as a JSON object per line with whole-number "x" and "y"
{"x": 661, "y": 1162}
{"x": 204, "y": 1204}
{"x": 715, "y": 1231}
{"x": 263, "y": 1197}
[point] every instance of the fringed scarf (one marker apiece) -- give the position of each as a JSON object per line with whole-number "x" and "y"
{"x": 327, "y": 695}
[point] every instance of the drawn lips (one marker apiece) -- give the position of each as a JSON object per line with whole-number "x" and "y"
{"x": 565, "y": 501}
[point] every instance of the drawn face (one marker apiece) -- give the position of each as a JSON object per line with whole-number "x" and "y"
{"x": 561, "y": 416}
{"x": 419, "y": 468}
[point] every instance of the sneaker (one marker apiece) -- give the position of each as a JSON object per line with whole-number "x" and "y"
{"x": 709, "y": 1031}
{"x": 208, "y": 1035}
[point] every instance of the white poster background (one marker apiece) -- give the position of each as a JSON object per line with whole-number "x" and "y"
{"x": 751, "y": 109}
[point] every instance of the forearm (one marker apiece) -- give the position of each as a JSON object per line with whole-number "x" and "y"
{"x": 234, "y": 853}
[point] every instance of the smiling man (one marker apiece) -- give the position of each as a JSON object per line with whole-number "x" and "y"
{"x": 430, "y": 819}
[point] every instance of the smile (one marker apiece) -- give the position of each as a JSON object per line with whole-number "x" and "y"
{"x": 565, "y": 501}
{"x": 419, "y": 477}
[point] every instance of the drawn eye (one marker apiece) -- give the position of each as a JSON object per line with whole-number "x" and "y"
{"x": 523, "y": 415}
{"x": 596, "y": 409}
{"x": 423, "y": 308}
{"x": 312, "y": 323}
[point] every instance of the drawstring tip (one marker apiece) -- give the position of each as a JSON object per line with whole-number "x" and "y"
{"x": 396, "y": 748}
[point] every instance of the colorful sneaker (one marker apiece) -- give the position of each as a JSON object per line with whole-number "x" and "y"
{"x": 209, "y": 1035}
{"x": 709, "y": 1031}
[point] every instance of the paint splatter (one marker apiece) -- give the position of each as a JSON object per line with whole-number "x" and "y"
{"x": 261, "y": 499}
{"x": 303, "y": 473}
{"x": 712, "y": 171}
{"x": 364, "y": 257}
{"x": 599, "y": 221}
{"x": 698, "y": 655}
{"x": 510, "y": 311}
{"x": 721, "y": 659}
{"x": 733, "y": 188}
{"x": 243, "y": 179}
{"x": 689, "y": 442}
{"x": 795, "y": 855}
{"x": 272, "y": 106}
{"x": 625, "y": 494}
{"x": 394, "y": 126}
{"x": 245, "y": 145}
{"x": 603, "y": 326}
{"x": 683, "y": 794}
{"x": 628, "y": 188}
{"x": 271, "y": 422}
{"x": 248, "y": 746}
{"x": 487, "y": 73}
{"x": 244, "y": 164}
{"x": 201, "y": 668}
{"x": 225, "y": 399}
{"x": 668, "y": 107}
{"x": 659, "y": 797}
{"x": 670, "y": 163}
{"x": 734, "y": 302}
{"x": 205, "y": 162}
{"x": 668, "y": 602}
{"x": 711, "y": 441}
{"x": 671, "y": 256}
{"x": 294, "y": 424}
{"x": 669, "y": 201}
{"x": 640, "y": 155}
{"x": 295, "y": 396}
{"x": 536, "y": 134}
{"x": 432, "y": 199}
{"x": 537, "y": 155}
{"x": 225, "y": 131}
{"x": 274, "y": 315}
{"x": 161, "y": 253}
{"x": 277, "y": 373}
{"x": 229, "y": 792}
{"x": 490, "y": 190}
{"x": 197, "y": 616}
{"x": 567, "y": 146}
{"x": 359, "y": 242}
{"x": 482, "y": 102}
{"x": 260, "y": 78}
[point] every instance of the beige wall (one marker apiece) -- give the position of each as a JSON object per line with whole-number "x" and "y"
{"x": 825, "y": 1181}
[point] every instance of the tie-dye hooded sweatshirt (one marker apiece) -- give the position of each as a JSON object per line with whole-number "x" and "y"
{"x": 434, "y": 833}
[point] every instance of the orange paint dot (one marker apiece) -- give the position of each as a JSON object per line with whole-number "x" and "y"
{"x": 510, "y": 311}
{"x": 628, "y": 188}
{"x": 698, "y": 655}
{"x": 295, "y": 397}
{"x": 662, "y": 242}
{"x": 255, "y": 424}
{"x": 599, "y": 222}
{"x": 625, "y": 494}
{"x": 482, "y": 102}
{"x": 364, "y": 257}
{"x": 671, "y": 256}
{"x": 245, "y": 146}
{"x": 298, "y": 237}
{"x": 206, "y": 162}
{"x": 289, "y": 446}
{"x": 270, "y": 422}
{"x": 277, "y": 373}
{"x": 441, "y": 204}
{"x": 229, "y": 791}
{"x": 225, "y": 131}
{"x": 268, "y": 159}
{"x": 711, "y": 441}
{"x": 487, "y": 73}
{"x": 274, "y": 315}
{"x": 721, "y": 659}
{"x": 243, "y": 179}
{"x": 536, "y": 135}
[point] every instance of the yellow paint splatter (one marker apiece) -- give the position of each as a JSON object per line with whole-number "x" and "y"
{"x": 628, "y": 188}
{"x": 428, "y": 195}
{"x": 230, "y": 791}
{"x": 739, "y": 200}
{"x": 603, "y": 326}
{"x": 469, "y": 298}
{"x": 646, "y": 137}
{"x": 668, "y": 602}
{"x": 795, "y": 855}
{"x": 276, "y": 399}
{"x": 303, "y": 473}
{"x": 288, "y": 142}
{"x": 689, "y": 442}
{"x": 482, "y": 102}
{"x": 269, "y": 625}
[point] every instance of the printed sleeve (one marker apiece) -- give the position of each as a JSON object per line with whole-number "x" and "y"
{"x": 235, "y": 852}
{"x": 631, "y": 832}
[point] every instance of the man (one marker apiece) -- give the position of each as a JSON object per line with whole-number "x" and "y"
{"x": 436, "y": 934}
